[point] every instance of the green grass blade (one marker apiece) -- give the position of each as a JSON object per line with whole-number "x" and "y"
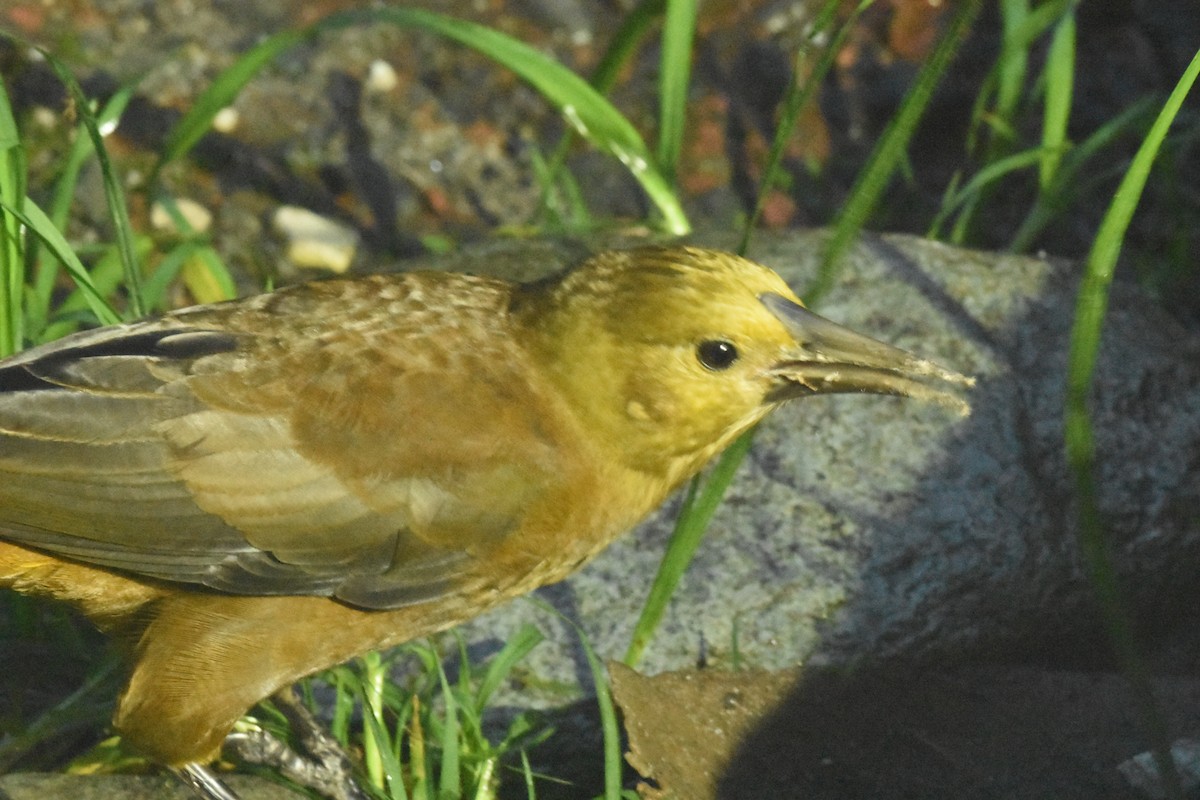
{"x": 1021, "y": 28}
{"x": 674, "y": 80}
{"x": 106, "y": 275}
{"x": 83, "y": 148}
{"x": 705, "y": 497}
{"x": 1090, "y": 309}
{"x": 581, "y": 105}
{"x": 798, "y": 96}
{"x": 890, "y": 150}
{"x": 702, "y": 502}
{"x": 634, "y": 26}
{"x": 389, "y": 764}
{"x": 609, "y": 727}
{"x": 527, "y": 774}
{"x": 212, "y": 282}
{"x": 222, "y": 91}
{"x": 1060, "y": 80}
{"x": 450, "y": 778}
{"x": 165, "y": 273}
{"x": 957, "y": 198}
{"x": 1005, "y": 85}
{"x": 376, "y": 745}
{"x": 37, "y": 307}
{"x": 36, "y": 220}
{"x": 1049, "y": 204}
{"x": 1013, "y": 61}
{"x": 515, "y": 649}
{"x": 113, "y": 193}
{"x": 592, "y": 116}
{"x": 12, "y": 253}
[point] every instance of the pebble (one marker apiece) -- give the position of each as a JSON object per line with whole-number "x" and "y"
{"x": 198, "y": 218}
{"x": 314, "y": 241}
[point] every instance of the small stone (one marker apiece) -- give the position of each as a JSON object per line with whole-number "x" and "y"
{"x": 45, "y": 118}
{"x": 198, "y": 218}
{"x": 315, "y": 242}
{"x": 226, "y": 120}
{"x": 381, "y": 77}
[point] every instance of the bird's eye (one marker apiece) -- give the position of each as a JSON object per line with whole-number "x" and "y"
{"x": 716, "y": 354}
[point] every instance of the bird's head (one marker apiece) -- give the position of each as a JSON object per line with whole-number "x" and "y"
{"x": 671, "y": 353}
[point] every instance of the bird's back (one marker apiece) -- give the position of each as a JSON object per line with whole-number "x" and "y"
{"x": 373, "y": 440}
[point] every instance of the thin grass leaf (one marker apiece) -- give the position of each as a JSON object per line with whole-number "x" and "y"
{"x": 450, "y": 778}
{"x": 418, "y": 764}
{"x": 166, "y": 271}
{"x": 389, "y": 765}
{"x": 12, "y": 252}
{"x": 1022, "y": 28}
{"x": 735, "y": 645}
{"x": 39, "y": 224}
{"x": 1012, "y": 64}
{"x": 515, "y": 649}
{"x": 609, "y": 727}
{"x": 1091, "y": 307}
{"x": 527, "y": 773}
{"x": 83, "y": 148}
{"x": 561, "y": 206}
{"x": 376, "y": 745}
{"x": 206, "y": 276}
{"x": 695, "y": 515}
{"x": 956, "y": 199}
{"x": 700, "y": 504}
{"x": 1060, "y": 80}
{"x": 634, "y": 26}
{"x": 106, "y": 275}
{"x": 86, "y": 707}
{"x": 582, "y": 106}
{"x": 890, "y": 150}
{"x": 798, "y": 97}
{"x": 1049, "y": 204}
{"x": 345, "y": 691}
{"x": 45, "y": 274}
{"x": 674, "y": 80}
{"x": 484, "y": 779}
{"x": 1041, "y": 19}
{"x": 114, "y": 195}
{"x": 222, "y": 92}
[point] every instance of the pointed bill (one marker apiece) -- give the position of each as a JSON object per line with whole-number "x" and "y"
{"x": 830, "y": 359}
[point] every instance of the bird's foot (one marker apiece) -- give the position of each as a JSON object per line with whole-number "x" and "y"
{"x": 204, "y": 782}
{"x": 324, "y": 766}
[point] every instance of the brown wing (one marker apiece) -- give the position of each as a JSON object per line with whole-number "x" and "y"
{"x": 328, "y": 440}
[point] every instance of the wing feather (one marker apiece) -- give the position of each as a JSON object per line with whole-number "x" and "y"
{"x": 262, "y": 452}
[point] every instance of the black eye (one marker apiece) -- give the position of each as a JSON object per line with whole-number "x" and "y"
{"x": 716, "y": 354}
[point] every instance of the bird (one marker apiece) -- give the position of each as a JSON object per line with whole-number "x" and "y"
{"x": 243, "y": 493}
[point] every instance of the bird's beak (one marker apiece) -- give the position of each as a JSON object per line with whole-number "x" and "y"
{"x": 830, "y": 359}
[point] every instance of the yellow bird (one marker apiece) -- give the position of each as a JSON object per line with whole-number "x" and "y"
{"x": 245, "y": 493}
